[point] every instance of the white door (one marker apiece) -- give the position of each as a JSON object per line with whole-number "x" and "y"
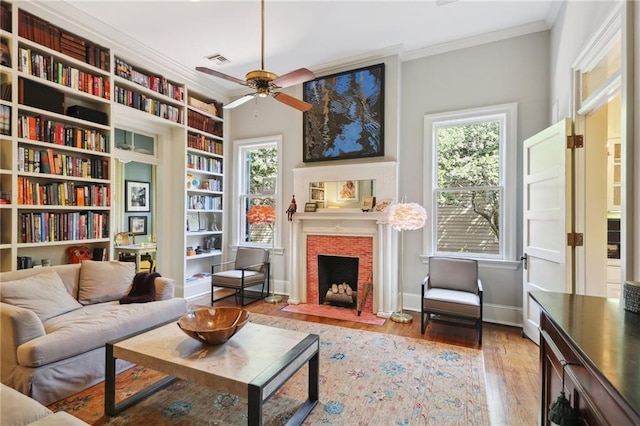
{"x": 547, "y": 209}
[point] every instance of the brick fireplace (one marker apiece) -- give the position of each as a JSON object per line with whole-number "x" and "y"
{"x": 348, "y": 246}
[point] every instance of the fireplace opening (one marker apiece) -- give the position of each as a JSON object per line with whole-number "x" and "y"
{"x": 338, "y": 280}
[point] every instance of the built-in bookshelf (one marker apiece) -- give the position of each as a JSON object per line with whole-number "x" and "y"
{"x": 7, "y": 109}
{"x": 55, "y": 145}
{"x": 203, "y": 192}
{"x": 62, "y": 95}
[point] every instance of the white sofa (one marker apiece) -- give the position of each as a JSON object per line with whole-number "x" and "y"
{"x": 20, "y": 410}
{"x": 55, "y": 321}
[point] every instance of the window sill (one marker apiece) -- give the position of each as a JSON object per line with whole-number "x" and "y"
{"x": 485, "y": 263}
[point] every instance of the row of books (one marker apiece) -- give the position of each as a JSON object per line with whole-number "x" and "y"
{"x": 42, "y": 32}
{"x": 204, "y": 123}
{"x": 5, "y": 16}
{"x": 5, "y": 92}
{"x": 38, "y": 128}
{"x": 46, "y": 161}
{"x": 204, "y": 143}
{"x": 5, "y": 120}
{"x": 150, "y": 81}
{"x": 34, "y": 193}
{"x": 205, "y": 164}
{"x": 42, "y": 227}
{"x": 51, "y": 69}
{"x": 143, "y": 103}
{"x": 204, "y": 202}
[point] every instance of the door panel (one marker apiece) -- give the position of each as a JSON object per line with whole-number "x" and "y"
{"x": 547, "y": 201}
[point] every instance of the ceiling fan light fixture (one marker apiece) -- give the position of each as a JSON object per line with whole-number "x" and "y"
{"x": 265, "y": 83}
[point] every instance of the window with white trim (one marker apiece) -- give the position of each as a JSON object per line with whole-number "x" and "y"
{"x": 470, "y": 182}
{"x": 257, "y": 170}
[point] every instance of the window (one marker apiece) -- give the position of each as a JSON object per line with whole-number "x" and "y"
{"x": 257, "y": 172}
{"x": 470, "y": 182}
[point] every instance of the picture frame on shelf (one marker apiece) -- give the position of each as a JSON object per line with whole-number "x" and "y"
{"x": 344, "y": 137}
{"x": 138, "y": 225}
{"x": 310, "y": 207}
{"x": 367, "y": 203}
{"x": 193, "y": 222}
{"x": 348, "y": 190}
{"x": 138, "y": 197}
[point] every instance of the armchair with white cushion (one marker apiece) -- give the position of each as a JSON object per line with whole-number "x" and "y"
{"x": 452, "y": 293}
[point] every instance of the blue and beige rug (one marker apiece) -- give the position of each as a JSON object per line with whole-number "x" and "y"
{"x": 366, "y": 378}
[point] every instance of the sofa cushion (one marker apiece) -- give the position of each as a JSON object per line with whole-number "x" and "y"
{"x": 18, "y": 409}
{"x": 44, "y": 294}
{"x": 94, "y": 325}
{"x": 104, "y": 281}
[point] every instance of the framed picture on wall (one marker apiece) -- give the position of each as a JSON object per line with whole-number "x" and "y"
{"x": 138, "y": 225}
{"x": 346, "y": 119}
{"x": 348, "y": 190}
{"x": 138, "y": 198}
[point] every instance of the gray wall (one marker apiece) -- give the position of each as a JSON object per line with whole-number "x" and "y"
{"x": 514, "y": 70}
{"x": 533, "y": 70}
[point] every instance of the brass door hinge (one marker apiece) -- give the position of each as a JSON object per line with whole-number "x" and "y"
{"x": 575, "y": 239}
{"x": 575, "y": 141}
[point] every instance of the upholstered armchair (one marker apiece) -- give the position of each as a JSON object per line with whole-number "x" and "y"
{"x": 452, "y": 293}
{"x": 249, "y": 269}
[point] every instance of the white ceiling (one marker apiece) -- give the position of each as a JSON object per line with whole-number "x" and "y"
{"x": 314, "y": 34}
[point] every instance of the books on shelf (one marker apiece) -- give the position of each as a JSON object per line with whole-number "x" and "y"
{"x": 144, "y": 103}
{"x": 79, "y": 194}
{"x": 52, "y": 69}
{"x": 204, "y": 123}
{"x": 38, "y": 128}
{"x": 204, "y": 143}
{"x": 61, "y": 164}
{"x": 205, "y": 164}
{"x": 42, "y": 227}
{"x": 148, "y": 80}
{"x": 198, "y": 276}
{"x": 42, "y": 32}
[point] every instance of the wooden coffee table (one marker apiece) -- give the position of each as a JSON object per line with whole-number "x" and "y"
{"x": 253, "y": 364}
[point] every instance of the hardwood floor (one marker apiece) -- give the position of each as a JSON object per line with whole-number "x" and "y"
{"x": 512, "y": 371}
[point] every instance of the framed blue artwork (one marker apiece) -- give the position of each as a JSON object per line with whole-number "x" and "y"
{"x": 347, "y": 117}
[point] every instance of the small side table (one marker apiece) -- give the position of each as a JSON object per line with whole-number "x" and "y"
{"x": 136, "y": 249}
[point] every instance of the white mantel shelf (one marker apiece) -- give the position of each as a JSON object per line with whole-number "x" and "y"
{"x": 337, "y": 215}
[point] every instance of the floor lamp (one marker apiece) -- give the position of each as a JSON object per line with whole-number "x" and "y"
{"x": 266, "y": 215}
{"x": 402, "y": 217}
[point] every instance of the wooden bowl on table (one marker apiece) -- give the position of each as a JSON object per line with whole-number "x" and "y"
{"x": 213, "y": 325}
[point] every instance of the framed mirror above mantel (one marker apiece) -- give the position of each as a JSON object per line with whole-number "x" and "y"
{"x": 341, "y": 188}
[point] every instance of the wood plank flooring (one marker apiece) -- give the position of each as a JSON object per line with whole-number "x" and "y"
{"x": 512, "y": 370}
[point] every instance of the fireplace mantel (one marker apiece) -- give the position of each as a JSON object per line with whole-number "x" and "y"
{"x": 348, "y": 222}
{"x": 359, "y": 224}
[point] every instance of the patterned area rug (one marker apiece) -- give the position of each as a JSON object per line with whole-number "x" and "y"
{"x": 335, "y": 313}
{"x": 366, "y": 378}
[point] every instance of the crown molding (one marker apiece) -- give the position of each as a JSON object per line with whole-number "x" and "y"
{"x": 65, "y": 15}
{"x": 478, "y": 40}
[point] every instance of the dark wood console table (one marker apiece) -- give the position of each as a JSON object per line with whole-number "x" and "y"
{"x": 601, "y": 343}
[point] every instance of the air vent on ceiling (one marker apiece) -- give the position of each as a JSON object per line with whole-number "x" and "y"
{"x": 218, "y": 59}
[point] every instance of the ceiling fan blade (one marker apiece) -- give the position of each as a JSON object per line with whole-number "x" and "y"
{"x": 239, "y": 101}
{"x": 221, "y": 75}
{"x": 291, "y": 101}
{"x": 292, "y": 78}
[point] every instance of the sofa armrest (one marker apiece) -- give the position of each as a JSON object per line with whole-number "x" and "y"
{"x": 165, "y": 288}
{"x": 17, "y": 326}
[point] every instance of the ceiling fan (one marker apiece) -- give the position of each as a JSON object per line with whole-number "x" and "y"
{"x": 266, "y": 82}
